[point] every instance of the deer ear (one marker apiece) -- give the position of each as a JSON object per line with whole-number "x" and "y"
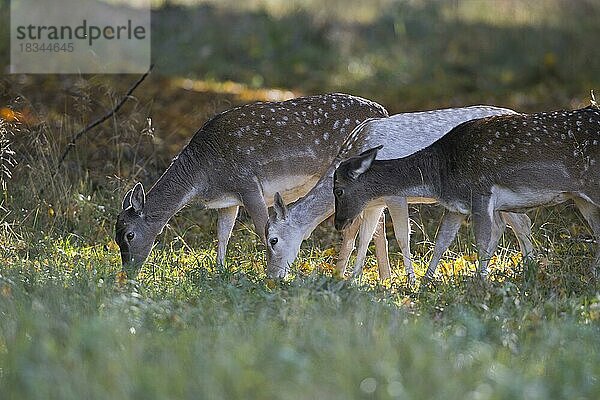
{"x": 280, "y": 208}
{"x": 361, "y": 163}
{"x": 136, "y": 198}
{"x": 127, "y": 199}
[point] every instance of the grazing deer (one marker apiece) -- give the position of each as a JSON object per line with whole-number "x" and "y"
{"x": 484, "y": 167}
{"x": 242, "y": 157}
{"x": 402, "y": 135}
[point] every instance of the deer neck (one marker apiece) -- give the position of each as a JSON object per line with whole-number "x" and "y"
{"x": 176, "y": 188}
{"x": 312, "y": 209}
{"x": 417, "y": 175}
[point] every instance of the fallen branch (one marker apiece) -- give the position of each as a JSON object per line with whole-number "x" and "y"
{"x": 101, "y": 119}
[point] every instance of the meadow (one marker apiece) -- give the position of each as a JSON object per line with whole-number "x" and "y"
{"x": 73, "y": 327}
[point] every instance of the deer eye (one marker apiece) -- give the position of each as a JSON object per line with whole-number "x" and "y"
{"x": 130, "y": 236}
{"x": 273, "y": 241}
{"x": 338, "y": 192}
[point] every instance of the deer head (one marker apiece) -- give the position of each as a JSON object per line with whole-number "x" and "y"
{"x": 133, "y": 233}
{"x": 350, "y": 196}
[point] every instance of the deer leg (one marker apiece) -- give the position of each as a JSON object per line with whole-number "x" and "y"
{"x": 367, "y": 228}
{"x": 398, "y": 207}
{"x": 255, "y": 204}
{"x": 488, "y": 229}
{"x": 591, "y": 213}
{"x": 225, "y": 222}
{"x": 451, "y": 222}
{"x": 381, "y": 249}
{"x": 348, "y": 239}
{"x": 521, "y": 226}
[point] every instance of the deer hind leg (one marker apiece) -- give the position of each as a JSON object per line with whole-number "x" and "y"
{"x": 591, "y": 213}
{"x": 521, "y": 226}
{"x": 488, "y": 226}
{"x": 451, "y": 222}
{"x": 348, "y": 239}
{"x": 370, "y": 220}
{"x": 381, "y": 249}
{"x": 225, "y": 222}
{"x": 398, "y": 208}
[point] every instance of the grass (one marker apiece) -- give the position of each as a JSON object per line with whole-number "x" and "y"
{"x": 189, "y": 330}
{"x": 72, "y": 328}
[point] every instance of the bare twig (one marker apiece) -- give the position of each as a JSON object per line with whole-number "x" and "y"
{"x": 101, "y": 119}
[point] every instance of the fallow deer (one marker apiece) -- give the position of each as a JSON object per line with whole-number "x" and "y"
{"x": 242, "y": 157}
{"x": 484, "y": 167}
{"x": 402, "y": 135}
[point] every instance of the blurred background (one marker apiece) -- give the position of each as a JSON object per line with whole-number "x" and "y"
{"x": 210, "y": 55}
{"x": 407, "y": 54}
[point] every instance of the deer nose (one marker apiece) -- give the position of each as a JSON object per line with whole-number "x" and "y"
{"x": 125, "y": 258}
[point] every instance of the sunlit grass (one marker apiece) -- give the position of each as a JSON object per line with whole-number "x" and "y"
{"x": 72, "y": 327}
{"x": 240, "y": 91}
{"x": 505, "y": 12}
